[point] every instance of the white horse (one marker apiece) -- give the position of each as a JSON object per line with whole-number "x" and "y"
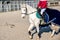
{"x": 33, "y": 19}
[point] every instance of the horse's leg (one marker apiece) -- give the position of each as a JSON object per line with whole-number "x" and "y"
{"x": 52, "y": 33}
{"x": 37, "y": 22}
{"x": 38, "y": 37}
{"x": 53, "y": 30}
{"x": 30, "y": 28}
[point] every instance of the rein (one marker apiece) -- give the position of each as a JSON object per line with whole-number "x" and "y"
{"x": 29, "y": 13}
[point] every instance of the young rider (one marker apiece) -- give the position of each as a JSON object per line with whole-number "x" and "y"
{"x": 42, "y": 4}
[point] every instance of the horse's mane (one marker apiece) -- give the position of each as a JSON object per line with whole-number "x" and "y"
{"x": 53, "y": 13}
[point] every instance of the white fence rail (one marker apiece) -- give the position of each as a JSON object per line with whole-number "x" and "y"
{"x": 12, "y": 6}
{"x": 15, "y": 5}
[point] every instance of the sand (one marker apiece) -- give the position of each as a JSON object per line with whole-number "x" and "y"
{"x": 13, "y": 27}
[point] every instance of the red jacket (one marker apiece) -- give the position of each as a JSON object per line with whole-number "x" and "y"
{"x": 42, "y": 4}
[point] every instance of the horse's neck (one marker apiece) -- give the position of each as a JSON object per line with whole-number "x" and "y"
{"x": 30, "y": 9}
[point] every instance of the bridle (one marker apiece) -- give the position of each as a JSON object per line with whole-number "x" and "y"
{"x": 26, "y": 11}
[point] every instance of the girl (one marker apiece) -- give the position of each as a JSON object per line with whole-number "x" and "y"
{"x": 42, "y": 5}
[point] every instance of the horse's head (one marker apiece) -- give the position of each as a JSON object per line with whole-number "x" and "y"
{"x": 26, "y": 9}
{"x": 23, "y": 12}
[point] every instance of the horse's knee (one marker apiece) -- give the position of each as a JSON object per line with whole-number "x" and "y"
{"x": 31, "y": 21}
{"x": 37, "y": 28}
{"x": 30, "y": 27}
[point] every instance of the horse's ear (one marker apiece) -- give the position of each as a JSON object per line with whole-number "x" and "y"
{"x": 8, "y": 2}
{"x": 38, "y": 9}
{"x": 26, "y": 10}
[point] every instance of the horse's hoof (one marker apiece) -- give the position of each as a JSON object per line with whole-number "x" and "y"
{"x": 51, "y": 36}
{"x": 30, "y": 37}
{"x": 38, "y": 38}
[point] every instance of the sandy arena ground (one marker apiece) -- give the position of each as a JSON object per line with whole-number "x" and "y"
{"x": 13, "y": 27}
